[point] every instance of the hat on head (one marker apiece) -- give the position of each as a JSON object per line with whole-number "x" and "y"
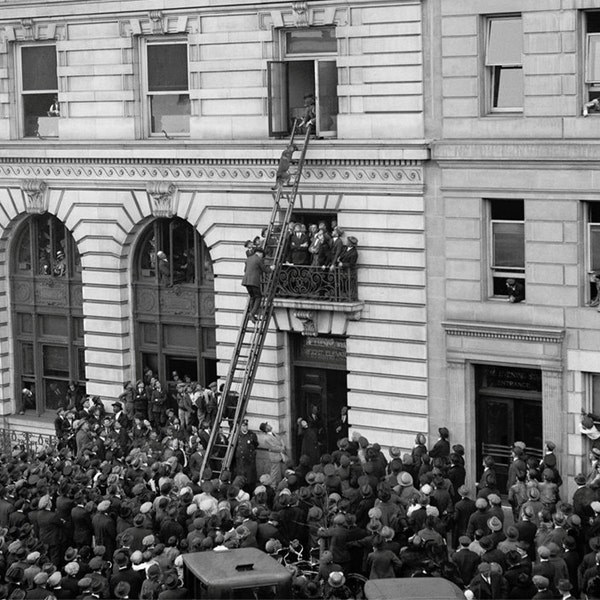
{"x": 117, "y": 405}
{"x": 569, "y": 543}
{"x": 464, "y": 540}
{"x": 104, "y": 506}
{"x": 481, "y": 503}
{"x": 44, "y": 502}
{"x": 540, "y": 581}
{"x": 543, "y": 552}
{"x": 41, "y": 578}
{"x": 96, "y": 586}
{"x": 580, "y": 479}
{"x": 564, "y": 585}
{"x": 595, "y": 506}
{"x": 96, "y": 563}
{"x": 122, "y": 589}
{"x": 336, "y": 579}
{"x": 404, "y": 479}
{"x": 459, "y": 449}
{"x": 534, "y": 493}
{"x": 55, "y": 579}
{"x": 352, "y": 240}
{"x": 84, "y": 583}
{"x": 596, "y": 452}
{"x": 484, "y": 568}
{"x": 71, "y": 568}
{"x": 520, "y": 444}
{"x": 512, "y": 533}
{"x": 463, "y": 490}
{"x": 551, "y": 446}
{"x": 146, "y": 507}
{"x": 494, "y": 499}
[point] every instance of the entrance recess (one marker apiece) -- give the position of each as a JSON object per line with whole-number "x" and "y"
{"x": 320, "y": 380}
{"x": 509, "y": 409}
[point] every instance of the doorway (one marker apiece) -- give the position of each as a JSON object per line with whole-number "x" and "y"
{"x": 509, "y": 409}
{"x": 320, "y": 380}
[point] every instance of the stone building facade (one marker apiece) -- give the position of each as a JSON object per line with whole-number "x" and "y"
{"x": 512, "y": 193}
{"x": 129, "y": 130}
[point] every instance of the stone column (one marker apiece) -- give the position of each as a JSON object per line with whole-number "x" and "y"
{"x": 553, "y": 413}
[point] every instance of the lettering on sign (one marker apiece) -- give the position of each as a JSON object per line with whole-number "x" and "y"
{"x": 323, "y": 349}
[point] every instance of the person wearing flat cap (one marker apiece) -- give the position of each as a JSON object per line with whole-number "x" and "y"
{"x": 51, "y": 529}
{"x": 542, "y": 584}
{"x": 487, "y": 583}
{"x": 119, "y": 415}
{"x": 105, "y": 529}
{"x": 441, "y": 449}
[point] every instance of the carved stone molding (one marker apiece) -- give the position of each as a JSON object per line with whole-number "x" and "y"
{"x": 505, "y": 332}
{"x": 260, "y": 171}
{"x": 36, "y": 196}
{"x": 312, "y": 318}
{"x": 156, "y": 19}
{"x": 308, "y": 318}
{"x": 162, "y": 196}
{"x": 303, "y": 14}
{"x": 300, "y": 11}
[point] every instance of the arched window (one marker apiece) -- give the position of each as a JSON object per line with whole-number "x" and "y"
{"x": 174, "y": 303}
{"x": 47, "y": 316}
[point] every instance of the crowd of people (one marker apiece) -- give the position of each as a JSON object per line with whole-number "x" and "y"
{"x": 318, "y": 246}
{"x": 112, "y": 507}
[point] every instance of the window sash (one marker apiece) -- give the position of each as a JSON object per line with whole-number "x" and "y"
{"x": 327, "y": 98}
{"x": 508, "y": 246}
{"x": 504, "y": 42}
{"x": 277, "y": 79}
{"x": 594, "y": 246}
{"x": 307, "y": 42}
{"x": 592, "y": 57}
{"x": 507, "y": 88}
{"x": 167, "y": 106}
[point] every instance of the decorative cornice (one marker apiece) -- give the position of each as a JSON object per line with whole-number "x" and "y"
{"x": 505, "y": 332}
{"x": 342, "y": 172}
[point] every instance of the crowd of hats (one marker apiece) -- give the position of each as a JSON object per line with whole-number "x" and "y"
{"x": 146, "y": 508}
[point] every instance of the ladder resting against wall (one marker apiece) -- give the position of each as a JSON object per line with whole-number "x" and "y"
{"x": 235, "y": 394}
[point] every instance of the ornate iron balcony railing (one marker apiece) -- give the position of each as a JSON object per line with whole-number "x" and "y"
{"x": 317, "y": 283}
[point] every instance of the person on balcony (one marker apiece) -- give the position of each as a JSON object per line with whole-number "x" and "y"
{"x": 350, "y": 255}
{"x": 337, "y": 247}
{"x": 299, "y": 246}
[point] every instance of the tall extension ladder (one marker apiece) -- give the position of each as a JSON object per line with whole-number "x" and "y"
{"x": 244, "y": 363}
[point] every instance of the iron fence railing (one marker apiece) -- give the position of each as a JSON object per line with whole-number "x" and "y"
{"x": 28, "y": 440}
{"x": 317, "y": 283}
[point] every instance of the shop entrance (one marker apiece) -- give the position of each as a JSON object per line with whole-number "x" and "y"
{"x": 509, "y": 408}
{"x": 320, "y": 380}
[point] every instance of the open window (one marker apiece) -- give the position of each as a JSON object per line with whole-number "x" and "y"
{"x": 593, "y": 253}
{"x": 592, "y": 56}
{"x": 507, "y": 248}
{"x": 39, "y": 91}
{"x": 308, "y": 67}
{"x": 167, "y": 97}
{"x": 504, "y": 64}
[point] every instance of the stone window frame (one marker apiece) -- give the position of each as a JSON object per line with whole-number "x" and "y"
{"x": 494, "y": 67}
{"x": 145, "y": 93}
{"x": 502, "y": 272}
{"x": 51, "y": 130}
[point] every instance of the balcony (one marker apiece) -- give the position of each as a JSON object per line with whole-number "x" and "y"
{"x": 316, "y": 301}
{"x": 317, "y": 283}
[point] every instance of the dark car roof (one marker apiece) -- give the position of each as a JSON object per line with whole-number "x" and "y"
{"x": 413, "y": 588}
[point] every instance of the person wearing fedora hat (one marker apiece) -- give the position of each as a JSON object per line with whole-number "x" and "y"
{"x": 349, "y": 256}
{"x": 335, "y": 587}
{"x": 253, "y": 271}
